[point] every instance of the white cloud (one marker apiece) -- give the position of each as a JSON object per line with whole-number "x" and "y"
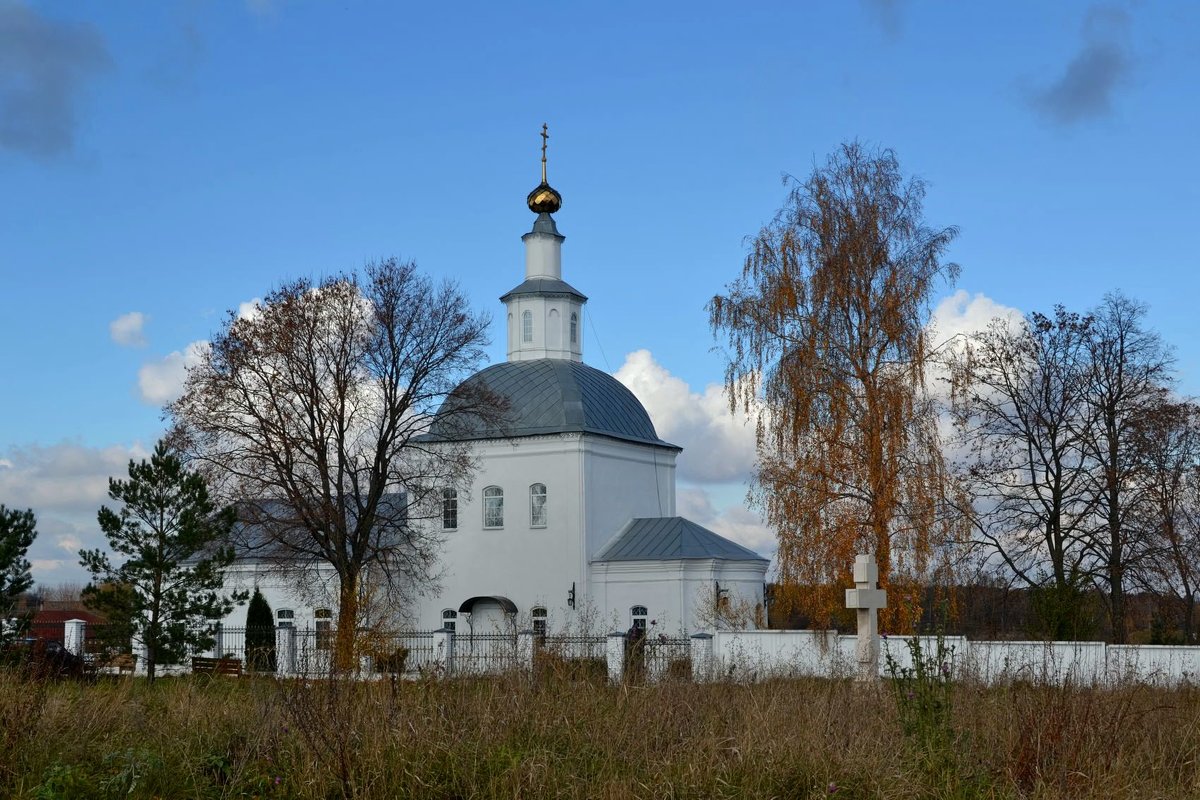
{"x": 962, "y": 314}
{"x": 251, "y": 309}
{"x": 717, "y": 445}
{"x": 735, "y": 522}
{"x": 69, "y": 543}
{"x": 161, "y": 381}
{"x": 126, "y": 330}
{"x": 65, "y": 484}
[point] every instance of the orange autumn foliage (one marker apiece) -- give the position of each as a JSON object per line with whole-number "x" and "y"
{"x": 828, "y": 344}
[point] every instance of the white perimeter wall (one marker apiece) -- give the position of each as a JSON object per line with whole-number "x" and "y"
{"x": 752, "y": 655}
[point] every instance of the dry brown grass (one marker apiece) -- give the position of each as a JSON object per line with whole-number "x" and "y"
{"x": 578, "y": 739}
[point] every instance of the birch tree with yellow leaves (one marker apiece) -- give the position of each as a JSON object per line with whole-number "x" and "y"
{"x": 828, "y": 343}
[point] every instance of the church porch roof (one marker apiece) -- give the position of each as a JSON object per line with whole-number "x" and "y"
{"x": 671, "y": 539}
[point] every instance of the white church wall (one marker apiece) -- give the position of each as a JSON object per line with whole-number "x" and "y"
{"x": 680, "y": 595}
{"x": 529, "y": 565}
{"x": 623, "y": 481}
{"x": 300, "y": 594}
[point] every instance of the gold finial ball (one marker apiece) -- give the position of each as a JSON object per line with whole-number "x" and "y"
{"x": 544, "y": 199}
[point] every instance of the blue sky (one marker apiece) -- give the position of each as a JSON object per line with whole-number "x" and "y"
{"x": 178, "y": 159}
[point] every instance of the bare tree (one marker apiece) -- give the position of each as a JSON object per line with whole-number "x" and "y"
{"x": 1022, "y": 418}
{"x": 827, "y": 330}
{"x": 1169, "y": 442}
{"x": 312, "y": 414}
{"x": 1129, "y": 369}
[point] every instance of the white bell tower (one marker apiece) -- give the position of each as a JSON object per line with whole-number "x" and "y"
{"x": 545, "y": 313}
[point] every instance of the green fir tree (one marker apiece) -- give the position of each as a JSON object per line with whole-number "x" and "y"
{"x": 175, "y": 544}
{"x": 17, "y": 531}
{"x": 260, "y": 634}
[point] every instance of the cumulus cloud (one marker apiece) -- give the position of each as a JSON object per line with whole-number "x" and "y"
{"x": 1086, "y": 87}
{"x": 161, "y": 382}
{"x": 126, "y": 330}
{"x": 44, "y": 67}
{"x": 65, "y": 485}
{"x": 251, "y": 309}
{"x": 717, "y": 446}
{"x": 963, "y": 313}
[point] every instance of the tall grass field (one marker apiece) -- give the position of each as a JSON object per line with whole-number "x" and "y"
{"x": 199, "y": 737}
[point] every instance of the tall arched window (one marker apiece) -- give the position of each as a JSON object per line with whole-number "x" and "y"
{"x": 539, "y": 622}
{"x": 574, "y": 329}
{"x": 449, "y": 618}
{"x": 537, "y": 505}
{"x": 449, "y": 509}
{"x": 526, "y": 326}
{"x": 324, "y": 626}
{"x": 493, "y": 507}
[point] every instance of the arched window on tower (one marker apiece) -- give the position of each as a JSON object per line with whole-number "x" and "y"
{"x": 449, "y": 618}
{"x": 527, "y": 326}
{"x": 493, "y": 507}
{"x": 574, "y": 329}
{"x": 537, "y": 505}
{"x": 539, "y": 623}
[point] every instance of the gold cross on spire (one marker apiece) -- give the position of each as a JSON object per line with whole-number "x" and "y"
{"x": 545, "y": 137}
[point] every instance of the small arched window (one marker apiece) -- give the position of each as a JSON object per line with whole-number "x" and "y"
{"x": 574, "y": 329}
{"x": 324, "y": 628}
{"x": 449, "y": 509}
{"x": 493, "y": 507}
{"x": 537, "y": 505}
{"x": 539, "y": 622}
{"x": 449, "y": 618}
{"x": 526, "y": 326}
{"x": 638, "y": 614}
{"x": 286, "y": 618}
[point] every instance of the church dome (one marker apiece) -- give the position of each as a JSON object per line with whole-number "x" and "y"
{"x": 544, "y": 199}
{"x": 549, "y": 395}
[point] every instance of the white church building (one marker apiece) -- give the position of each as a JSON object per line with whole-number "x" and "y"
{"x": 570, "y": 520}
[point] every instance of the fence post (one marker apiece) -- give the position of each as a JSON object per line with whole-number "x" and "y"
{"x": 74, "y": 632}
{"x": 141, "y": 653}
{"x": 615, "y": 655}
{"x": 443, "y": 652}
{"x": 285, "y": 651}
{"x": 703, "y": 647}
{"x": 525, "y": 652}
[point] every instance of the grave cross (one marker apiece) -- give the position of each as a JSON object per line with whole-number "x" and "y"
{"x": 867, "y": 600}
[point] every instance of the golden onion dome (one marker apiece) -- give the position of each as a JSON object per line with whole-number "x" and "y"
{"x": 544, "y": 199}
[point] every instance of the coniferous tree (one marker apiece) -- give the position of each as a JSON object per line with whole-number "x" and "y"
{"x": 17, "y": 531}
{"x": 175, "y": 544}
{"x": 260, "y": 634}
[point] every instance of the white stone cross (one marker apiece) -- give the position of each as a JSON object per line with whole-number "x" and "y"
{"x": 867, "y": 600}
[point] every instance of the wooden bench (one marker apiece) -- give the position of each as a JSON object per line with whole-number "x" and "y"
{"x": 125, "y": 662}
{"x": 217, "y": 666}
{"x": 101, "y": 664}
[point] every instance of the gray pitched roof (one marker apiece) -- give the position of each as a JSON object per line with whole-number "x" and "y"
{"x": 545, "y": 286}
{"x": 554, "y": 395}
{"x": 670, "y": 539}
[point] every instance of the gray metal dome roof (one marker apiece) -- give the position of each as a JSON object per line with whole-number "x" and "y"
{"x": 553, "y": 395}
